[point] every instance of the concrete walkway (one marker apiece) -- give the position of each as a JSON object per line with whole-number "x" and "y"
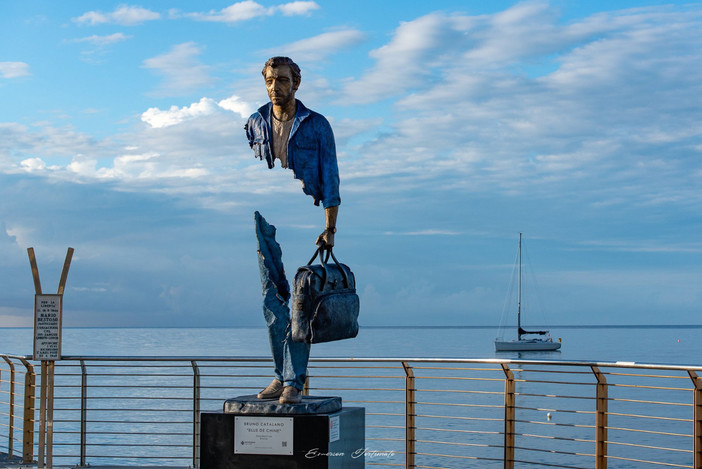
{"x": 16, "y": 463}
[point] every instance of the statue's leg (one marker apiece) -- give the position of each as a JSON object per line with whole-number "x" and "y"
{"x": 296, "y": 355}
{"x": 275, "y": 290}
{"x": 290, "y": 357}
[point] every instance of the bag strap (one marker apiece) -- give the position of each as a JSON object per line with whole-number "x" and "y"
{"x": 343, "y": 271}
{"x": 324, "y": 261}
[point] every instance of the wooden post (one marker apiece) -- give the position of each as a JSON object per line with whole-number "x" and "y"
{"x": 64, "y": 272}
{"x": 42, "y": 416}
{"x": 510, "y": 403}
{"x": 306, "y": 387}
{"x": 697, "y": 419}
{"x": 29, "y": 411}
{"x": 50, "y": 416}
{"x": 46, "y": 397}
{"x": 601, "y": 419}
{"x": 11, "y": 423}
{"x": 35, "y": 270}
{"x": 410, "y": 414}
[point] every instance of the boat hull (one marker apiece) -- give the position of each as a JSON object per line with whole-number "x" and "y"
{"x": 526, "y": 345}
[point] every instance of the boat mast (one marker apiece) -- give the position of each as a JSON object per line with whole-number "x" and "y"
{"x": 519, "y": 292}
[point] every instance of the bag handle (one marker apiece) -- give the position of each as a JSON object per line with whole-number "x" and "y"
{"x": 317, "y": 252}
{"x": 324, "y": 261}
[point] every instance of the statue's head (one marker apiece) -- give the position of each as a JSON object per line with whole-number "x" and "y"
{"x": 282, "y": 77}
{"x": 275, "y": 62}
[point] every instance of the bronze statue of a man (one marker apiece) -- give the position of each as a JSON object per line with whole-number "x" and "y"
{"x": 301, "y": 140}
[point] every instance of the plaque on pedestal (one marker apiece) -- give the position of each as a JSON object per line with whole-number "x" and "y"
{"x": 284, "y": 437}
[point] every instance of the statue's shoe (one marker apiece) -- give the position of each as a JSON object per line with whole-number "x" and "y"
{"x": 273, "y": 391}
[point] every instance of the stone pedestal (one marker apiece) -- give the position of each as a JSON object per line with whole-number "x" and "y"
{"x": 252, "y": 433}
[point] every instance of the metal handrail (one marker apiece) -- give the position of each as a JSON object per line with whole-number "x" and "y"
{"x": 24, "y": 390}
{"x": 428, "y": 412}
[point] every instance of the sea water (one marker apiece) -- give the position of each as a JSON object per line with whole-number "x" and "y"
{"x": 676, "y": 345}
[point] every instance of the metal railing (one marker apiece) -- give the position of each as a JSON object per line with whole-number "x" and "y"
{"x": 17, "y": 407}
{"x": 428, "y": 413}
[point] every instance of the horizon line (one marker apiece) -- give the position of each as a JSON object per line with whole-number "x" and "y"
{"x": 418, "y": 326}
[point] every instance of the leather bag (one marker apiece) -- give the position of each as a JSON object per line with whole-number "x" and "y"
{"x": 325, "y": 305}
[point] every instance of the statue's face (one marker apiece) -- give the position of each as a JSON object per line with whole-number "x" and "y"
{"x": 280, "y": 85}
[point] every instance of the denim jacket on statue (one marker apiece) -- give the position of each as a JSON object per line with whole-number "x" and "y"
{"x": 311, "y": 151}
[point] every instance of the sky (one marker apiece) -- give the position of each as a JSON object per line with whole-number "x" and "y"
{"x": 458, "y": 125}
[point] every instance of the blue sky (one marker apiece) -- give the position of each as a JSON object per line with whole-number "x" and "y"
{"x": 458, "y": 125}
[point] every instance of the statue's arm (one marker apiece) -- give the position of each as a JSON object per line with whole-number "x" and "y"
{"x": 327, "y": 237}
{"x": 330, "y": 184}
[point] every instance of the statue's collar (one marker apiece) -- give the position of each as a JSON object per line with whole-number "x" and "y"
{"x": 301, "y": 112}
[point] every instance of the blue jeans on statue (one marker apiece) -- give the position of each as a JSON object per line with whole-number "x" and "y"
{"x": 290, "y": 357}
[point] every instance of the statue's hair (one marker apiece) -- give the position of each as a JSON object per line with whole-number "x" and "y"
{"x": 273, "y": 62}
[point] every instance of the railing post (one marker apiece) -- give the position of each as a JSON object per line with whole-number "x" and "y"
{"x": 697, "y": 419}
{"x": 306, "y": 387}
{"x": 42, "y": 416}
{"x": 11, "y": 427}
{"x": 0, "y": 379}
{"x": 196, "y": 413}
{"x": 601, "y": 419}
{"x": 510, "y": 405}
{"x": 28, "y": 416}
{"x": 50, "y": 368}
{"x": 410, "y": 413}
{"x": 83, "y": 412}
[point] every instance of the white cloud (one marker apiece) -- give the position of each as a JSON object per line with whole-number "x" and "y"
{"x": 472, "y": 121}
{"x": 165, "y": 157}
{"x": 83, "y": 166}
{"x": 237, "y": 105}
{"x": 428, "y": 49}
{"x": 158, "y": 118}
{"x": 150, "y": 166}
{"x": 241, "y": 11}
{"x": 320, "y": 46}
{"x": 135, "y": 168}
{"x": 298, "y": 8}
{"x": 20, "y": 235}
{"x": 124, "y": 15}
{"x": 524, "y": 30}
{"x": 486, "y": 102}
{"x": 33, "y": 164}
{"x": 406, "y": 60}
{"x": 102, "y": 41}
{"x": 43, "y": 149}
{"x": 14, "y": 69}
{"x": 248, "y": 9}
{"x": 181, "y": 70}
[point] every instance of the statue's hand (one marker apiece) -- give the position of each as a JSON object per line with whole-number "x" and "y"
{"x": 326, "y": 239}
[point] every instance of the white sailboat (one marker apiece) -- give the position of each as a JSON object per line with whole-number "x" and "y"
{"x": 535, "y": 340}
